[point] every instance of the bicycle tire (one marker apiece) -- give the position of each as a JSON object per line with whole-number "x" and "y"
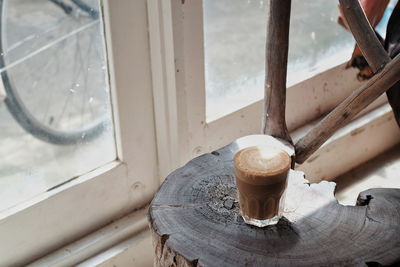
{"x": 27, "y": 121}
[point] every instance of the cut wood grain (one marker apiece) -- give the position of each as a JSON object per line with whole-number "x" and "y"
{"x": 276, "y": 53}
{"x": 195, "y": 221}
{"x": 365, "y": 36}
{"x": 346, "y": 110}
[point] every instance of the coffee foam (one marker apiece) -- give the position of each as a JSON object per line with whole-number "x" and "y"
{"x": 262, "y": 161}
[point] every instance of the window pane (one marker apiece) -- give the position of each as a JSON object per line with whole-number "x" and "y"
{"x": 235, "y": 32}
{"x": 55, "y": 121}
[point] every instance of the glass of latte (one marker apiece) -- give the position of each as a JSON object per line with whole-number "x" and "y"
{"x": 261, "y": 180}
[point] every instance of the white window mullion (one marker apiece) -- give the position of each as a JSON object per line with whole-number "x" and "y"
{"x": 129, "y": 50}
{"x": 164, "y": 86}
{"x": 190, "y": 83}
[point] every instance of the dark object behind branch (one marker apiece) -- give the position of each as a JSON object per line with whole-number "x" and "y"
{"x": 392, "y": 46}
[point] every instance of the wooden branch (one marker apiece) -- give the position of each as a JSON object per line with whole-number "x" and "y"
{"x": 275, "y": 69}
{"x": 343, "y": 113}
{"x": 377, "y": 58}
{"x": 195, "y": 221}
{"x": 365, "y": 36}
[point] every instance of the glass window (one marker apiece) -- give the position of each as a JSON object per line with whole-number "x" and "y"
{"x": 235, "y": 33}
{"x": 55, "y": 121}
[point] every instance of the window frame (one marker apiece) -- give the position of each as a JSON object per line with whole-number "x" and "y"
{"x": 71, "y": 210}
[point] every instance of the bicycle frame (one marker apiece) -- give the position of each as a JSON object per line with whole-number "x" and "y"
{"x": 78, "y": 3}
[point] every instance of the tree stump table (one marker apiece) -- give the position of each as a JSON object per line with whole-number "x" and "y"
{"x": 195, "y": 221}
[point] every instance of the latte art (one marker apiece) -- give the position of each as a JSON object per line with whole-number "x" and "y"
{"x": 261, "y": 178}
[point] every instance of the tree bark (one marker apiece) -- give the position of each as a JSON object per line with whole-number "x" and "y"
{"x": 194, "y": 220}
{"x": 276, "y": 53}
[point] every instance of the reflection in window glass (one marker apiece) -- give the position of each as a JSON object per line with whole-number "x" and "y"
{"x": 56, "y": 120}
{"x": 235, "y": 32}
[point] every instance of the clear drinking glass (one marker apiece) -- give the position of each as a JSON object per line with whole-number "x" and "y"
{"x": 261, "y": 180}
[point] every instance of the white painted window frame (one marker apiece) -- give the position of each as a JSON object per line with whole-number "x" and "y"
{"x": 66, "y": 213}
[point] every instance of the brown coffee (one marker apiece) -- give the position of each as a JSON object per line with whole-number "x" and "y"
{"x": 261, "y": 178}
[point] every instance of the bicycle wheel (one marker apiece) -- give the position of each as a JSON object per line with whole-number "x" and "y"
{"x": 53, "y": 70}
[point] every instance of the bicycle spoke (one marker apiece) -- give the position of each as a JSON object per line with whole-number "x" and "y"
{"x": 36, "y": 52}
{"x": 51, "y": 93}
{"x": 57, "y": 65}
{"x": 75, "y": 72}
{"x": 97, "y": 55}
{"x": 85, "y": 81}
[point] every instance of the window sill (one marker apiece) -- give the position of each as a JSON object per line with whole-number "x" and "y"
{"x": 380, "y": 172}
{"x": 135, "y": 251}
{"x": 322, "y": 92}
{"x": 68, "y": 212}
{"x": 105, "y": 244}
{"x": 361, "y": 140}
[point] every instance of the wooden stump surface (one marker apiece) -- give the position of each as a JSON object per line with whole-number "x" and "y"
{"x": 195, "y": 221}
